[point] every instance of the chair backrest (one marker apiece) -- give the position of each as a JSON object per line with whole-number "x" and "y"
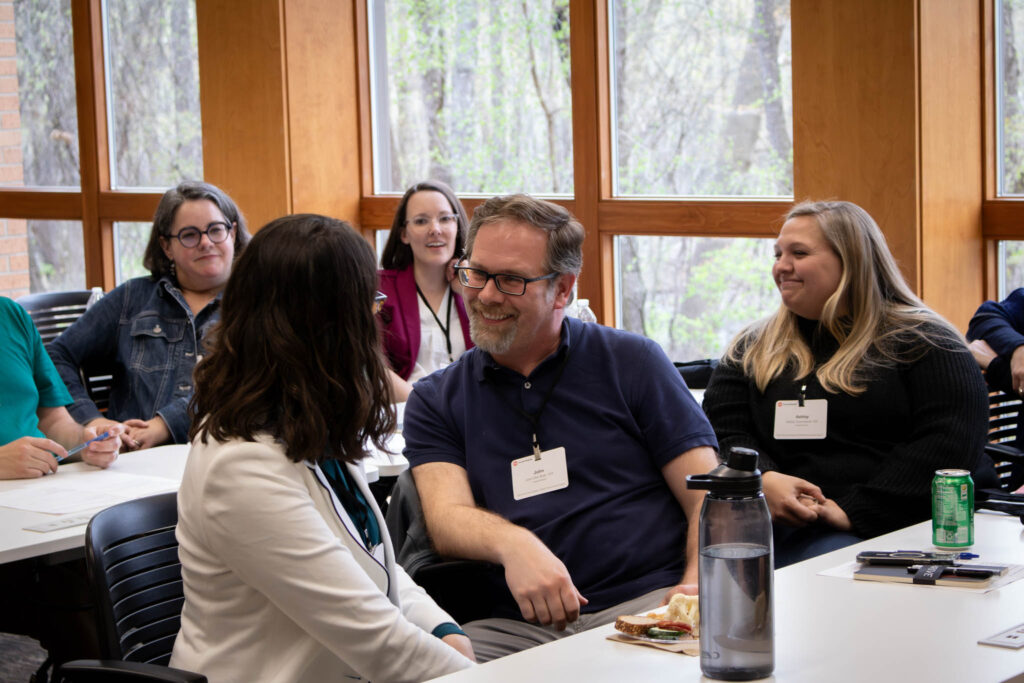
{"x": 1004, "y": 426}
{"x": 53, "y": 312}
{"x": 697, "y": 373}
{"x": 132, "y": 555}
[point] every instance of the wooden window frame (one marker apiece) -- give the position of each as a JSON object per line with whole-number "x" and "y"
{"x": 95, "y": 204}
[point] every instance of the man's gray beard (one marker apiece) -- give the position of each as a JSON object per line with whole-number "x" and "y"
{"x": 491, "y": 341}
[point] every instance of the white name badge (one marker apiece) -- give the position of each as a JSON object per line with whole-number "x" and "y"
{"x": 532, "y": 477}
{"x": 807, "y": 421}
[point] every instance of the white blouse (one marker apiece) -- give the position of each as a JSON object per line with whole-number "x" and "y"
{"x": 433, "y": 354}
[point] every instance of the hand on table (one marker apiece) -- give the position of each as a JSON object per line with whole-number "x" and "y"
{"x": 29, "y": 457}
{"x": 146, "y": 433}
{"x": 542, "y": 587}
{"x": 462, "y": 644}
{"x": 791, "y": 500}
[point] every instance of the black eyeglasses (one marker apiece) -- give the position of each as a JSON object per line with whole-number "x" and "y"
{"x": 513, "y": 285}
{"x": 378, "y": 302}
{"x": 190, "y": 237}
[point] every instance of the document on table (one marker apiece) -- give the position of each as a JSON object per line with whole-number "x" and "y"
{"x": 69, "y": 492}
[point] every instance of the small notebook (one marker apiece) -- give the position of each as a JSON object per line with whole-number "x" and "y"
{"x": 871, "y": 572}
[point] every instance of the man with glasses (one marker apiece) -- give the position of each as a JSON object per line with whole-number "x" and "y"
{"x": 557, "y": 449}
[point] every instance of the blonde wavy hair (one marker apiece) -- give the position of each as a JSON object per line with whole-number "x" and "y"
{"x": 876, "y": 318}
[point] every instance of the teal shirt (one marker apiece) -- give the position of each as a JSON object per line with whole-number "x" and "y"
{"x": 28, "y": 378}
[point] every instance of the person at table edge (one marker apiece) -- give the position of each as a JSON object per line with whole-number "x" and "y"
{"x": 612, "y": 529}
{"x": 35, "y": 426}
{"x": 149, "y": 330}
{"x": 854, "y": 392}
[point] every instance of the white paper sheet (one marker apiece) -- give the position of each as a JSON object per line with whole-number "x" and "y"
{"x": 68, "y": 492}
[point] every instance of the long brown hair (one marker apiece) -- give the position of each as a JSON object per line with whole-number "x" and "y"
{"x": 296, "y": 353}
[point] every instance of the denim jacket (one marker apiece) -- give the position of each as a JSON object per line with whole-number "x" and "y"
{"x": 144, "y": 334}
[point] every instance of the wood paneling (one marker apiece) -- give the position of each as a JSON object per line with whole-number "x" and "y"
{"x": 887, "y": 102}
{"x": 952, "y": 256}
{"x": 41, "y": 204}
{"x": 323, "y": 108}
{"x": 588, "y": 38}
{"x": 710, "y": 218}
{"x": 243, "y": 97}
{"x": 855, "y": 129}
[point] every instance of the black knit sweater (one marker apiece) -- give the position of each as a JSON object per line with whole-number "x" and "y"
{"x": 882, "y": 447}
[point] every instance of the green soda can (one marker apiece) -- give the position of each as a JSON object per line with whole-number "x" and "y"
{"x": 952, "y": 509}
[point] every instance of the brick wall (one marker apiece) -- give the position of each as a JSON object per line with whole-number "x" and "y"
{"x": 14, "y": 280}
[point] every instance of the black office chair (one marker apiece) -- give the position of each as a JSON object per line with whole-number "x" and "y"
{"x": 465, "y": 589}
{"x": 697, "y": 373}
{"x": 132, "y": 555}
{"x": 52, "y": 313}
{"x": 1003, "y": 449}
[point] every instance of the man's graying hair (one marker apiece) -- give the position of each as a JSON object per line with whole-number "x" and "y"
{"x": 565, "y": 233}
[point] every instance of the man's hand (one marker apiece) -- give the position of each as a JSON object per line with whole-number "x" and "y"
{"x": 1017, "y": 369}
{"x": 982, "y": 352}
{"x": 682, "y": 588}
{"x": 462, "y": 644}
{"x": 541, "y": 584}
{"x": 102, "y": 453}
{"x": 147, "y": 433}
{"x": 29, "y": 457}
{"x": 791, "y": 500}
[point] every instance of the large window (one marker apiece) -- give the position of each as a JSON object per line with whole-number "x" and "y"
{"x": 1009, "y": 62}
{"x": 702, "y": 97}
{"x": 472, "y": 92}
{"x": 95, "y": 97}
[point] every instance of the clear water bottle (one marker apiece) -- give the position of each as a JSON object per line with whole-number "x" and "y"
{"x": 584, "y": 312}
{"x": 97, "y": 294}
{"x": 737, "y": 634}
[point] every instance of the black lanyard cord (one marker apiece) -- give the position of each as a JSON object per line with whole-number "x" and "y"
{"x": 534, "y": 418}
{"x": 447, "y": 319}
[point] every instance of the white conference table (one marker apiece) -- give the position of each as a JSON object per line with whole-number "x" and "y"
{"x": 829, "y": 629}
{"x": 165, "y": 463}
{"x": 16, "y": 542}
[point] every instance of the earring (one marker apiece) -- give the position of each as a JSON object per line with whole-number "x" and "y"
{"x": 174, "y": 271}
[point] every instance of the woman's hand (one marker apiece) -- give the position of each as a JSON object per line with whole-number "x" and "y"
{"x": 29, "y": 457}
{"x": 791, "y": 500}
{"x": 830, "y": 513}
{"x": 102, "y": 453}
{"x": 462, "y": 644}
{"x": 147, "y": 433}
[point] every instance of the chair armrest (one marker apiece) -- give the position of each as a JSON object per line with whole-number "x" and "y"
{"x": 465, "y": 589}
{"x": 117, "y": 671}
{"x": 1009, "y": 464}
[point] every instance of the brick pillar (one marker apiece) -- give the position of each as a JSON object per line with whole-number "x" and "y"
{"x": 14, "y": 279}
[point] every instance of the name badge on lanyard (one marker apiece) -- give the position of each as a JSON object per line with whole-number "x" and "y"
{"x": 802, "y": 419}
{"x": 532, "y": 476}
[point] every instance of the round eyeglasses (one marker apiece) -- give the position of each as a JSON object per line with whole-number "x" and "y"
{"x": 190, "y": 237}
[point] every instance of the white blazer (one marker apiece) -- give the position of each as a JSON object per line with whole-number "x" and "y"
{"x": 279, "y": 586}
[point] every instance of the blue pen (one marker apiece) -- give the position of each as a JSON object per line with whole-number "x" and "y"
{"x": 82, "y": 446}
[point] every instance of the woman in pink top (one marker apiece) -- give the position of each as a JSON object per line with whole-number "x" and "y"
{"x": 423, "y": 300}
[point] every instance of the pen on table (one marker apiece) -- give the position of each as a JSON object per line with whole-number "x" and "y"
{"x": 82, "y": 446}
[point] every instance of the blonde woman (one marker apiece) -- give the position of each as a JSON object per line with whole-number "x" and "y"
{"x": 854, "y": 392}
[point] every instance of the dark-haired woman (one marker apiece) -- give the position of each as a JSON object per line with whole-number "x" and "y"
{"x": 288, "y": 569}
{"x": 149, "y": 330}
{"x": 423, "y": 322}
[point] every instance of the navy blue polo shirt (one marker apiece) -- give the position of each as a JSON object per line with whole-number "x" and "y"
{"x": 620, "y": 410}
